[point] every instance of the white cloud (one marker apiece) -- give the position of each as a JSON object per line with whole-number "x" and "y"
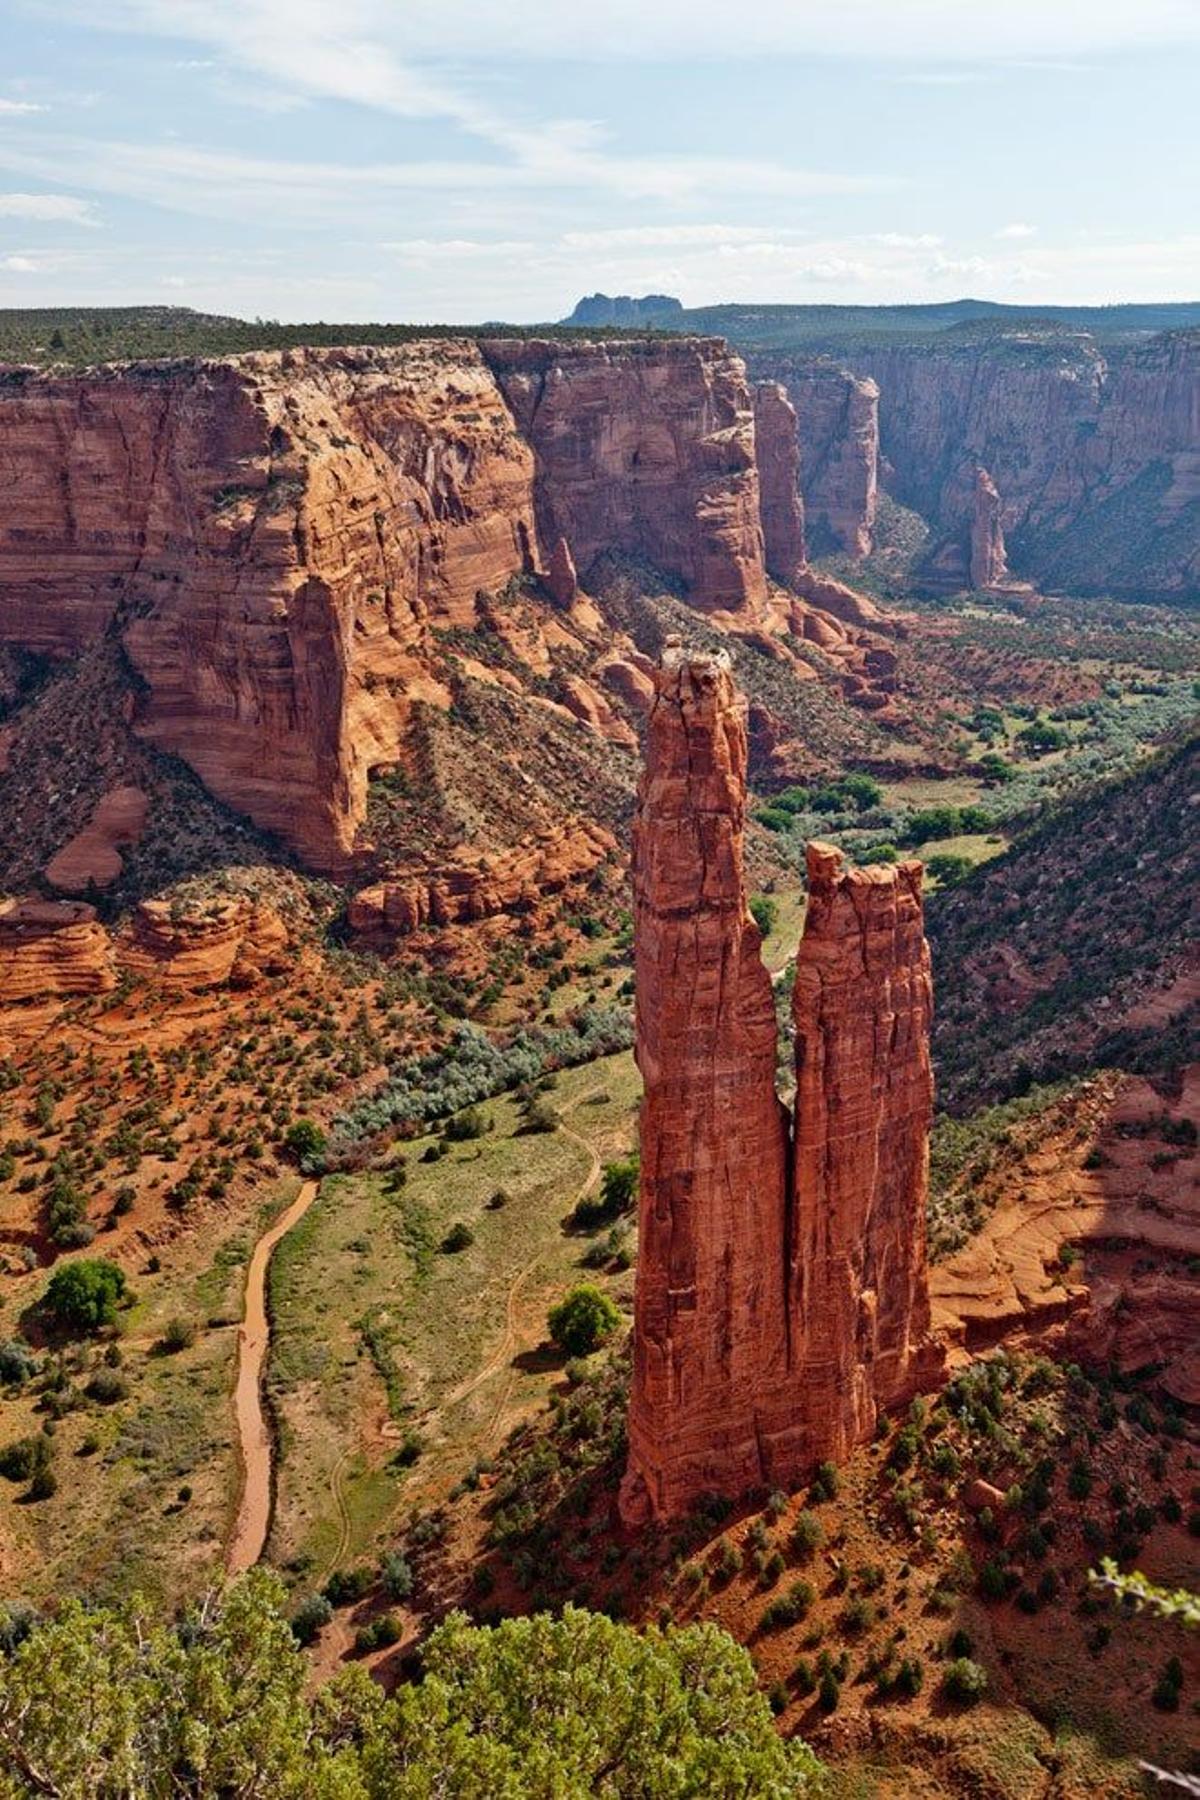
{"x": 51, "y": 209}
{"x": 224, "y": 185}
{"x": 1017, "y": 231}
{"x": 11, "y": 108}
{"x": 902, "y": 240}
{"x": 358, "y": 45}
{"x": 19, "y": 265}
{"x": 458, "y": 249}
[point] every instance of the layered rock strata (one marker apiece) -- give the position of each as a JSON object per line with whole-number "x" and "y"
{"x": 222, "y": 942}
{"x": 643, "y": 447}
{"x": 862, "y": 1007}
{"x": 782, "y": 510}
{"x": 52, "y": 948}
{"x": 711, "y": 1348}
{"x": 781, "y": 1296}
{"x": 274, "y": 537}
{"x": 1095, "y": 449}
{"x": 475, "y": 885}
{"x": 974, "y": 553}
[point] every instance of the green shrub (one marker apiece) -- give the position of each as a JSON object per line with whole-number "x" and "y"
{"x": 347, "y": 1586}
{"x": 459, "y": 1237}
{"x": 106, "y": 1387}
{"x": 618, "y": 1194}
{"x": 949, "y": 868}
{"x": 17, "y": 1363}
{"x": 965, "y": 1681}
{"x": 178, "y": 1334}
{"x": 396, "y": 1576}
{"x": 305, "y": 1142}
{"x": 808, "y": 1534}
{"x": 826, "y": 1483}
{"x": 461, "y": 1127}
{"x": 789, "y": 1607}
{"x": 583, "y": 1320}
{"x": 44, "y": 1484}
{"x": 764, "y": 911}
{"x": 310, "y": 1618}
{"x": 83, "y": 1296}
{"x": 22, "y": 1460}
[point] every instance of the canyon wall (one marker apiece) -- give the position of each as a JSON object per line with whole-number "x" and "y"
{"x": 782, "y": 1295}
{"x": 274, "y": 536}
{"x": 645, "y": 447}
{"x": 837, "y": 416}
{"x": 1095, "y": 453}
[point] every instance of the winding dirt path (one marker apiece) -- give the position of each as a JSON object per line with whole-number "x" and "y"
{"x": 254, "y": 1434}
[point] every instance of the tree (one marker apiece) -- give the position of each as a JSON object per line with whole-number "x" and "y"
{"x": 583, "y": 1320}
{"x": 618, "y": 1193}
{"x": 934, "y": 822}
{"x": 305, "y": 1143}
{"x": 579, "y": 1706}
{"x": 764, "y": 911}
{"x": 1042, "y": 736}
{"x": 101, "y": 1702}
{"x": 949, "y": 868}
{"x": 83, "y": 1296}
{"x": 995, "y": 771}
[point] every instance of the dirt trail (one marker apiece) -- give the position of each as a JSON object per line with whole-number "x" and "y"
{"x": 254, "y": 1435}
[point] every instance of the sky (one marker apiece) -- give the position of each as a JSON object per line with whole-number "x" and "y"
{"x": 463, "y": 160}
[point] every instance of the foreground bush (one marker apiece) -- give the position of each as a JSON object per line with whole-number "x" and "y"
{"x": 104, "y": 1704}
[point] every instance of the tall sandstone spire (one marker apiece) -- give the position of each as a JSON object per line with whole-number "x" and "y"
{"x": 781, "y": 1295}
{"x": 711, "y": 1299}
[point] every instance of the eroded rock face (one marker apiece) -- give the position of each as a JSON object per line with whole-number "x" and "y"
{"x": 782, "y": 509}
{"x": 231, "y": 941}
{"x": 92, "y": 858}
{"x": 646, "y": 448}
{"x": 274, "y": 536}
{"x": 479, "y": 885}
{"x": 973, "y": 554}
{"x": 838, "y": 425}
{"x": 1094, "y": 450}
{"x": 51, "y": 949}
{"x": 781, "y": 1301}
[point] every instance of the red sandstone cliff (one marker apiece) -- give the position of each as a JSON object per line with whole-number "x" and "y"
{"x": 274, "y": 535}
{"x": 205, "y": 943}
{"x": 777, "y": 1307}
{"x": 973, "y": 554}
{"x": 480, "y": 885}
{"x": 50, "y": 948}
{"x": 1094, "y": 451}
{"x": 645, "y": 447}
{"x": 837, "y": 416}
